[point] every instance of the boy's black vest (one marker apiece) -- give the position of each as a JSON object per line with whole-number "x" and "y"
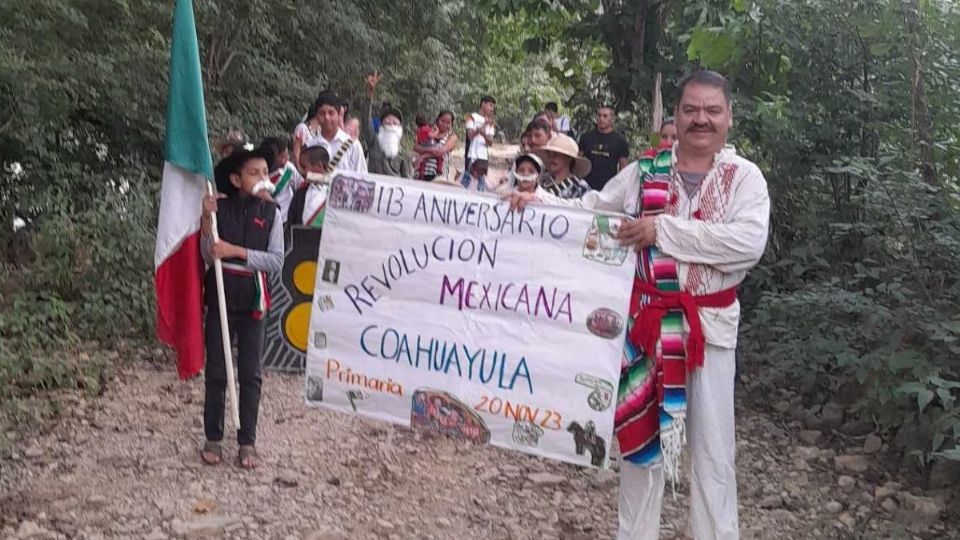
{"x": 246, "y": 222}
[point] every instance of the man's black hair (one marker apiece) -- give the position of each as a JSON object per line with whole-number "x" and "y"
{"x": 551, "y": 106}
{"x": 705, "y": 77}
{"x": 233, "y": 164}
{"x": 540, "y": 124}
{"x": 606, "y": 105}
{"x": 327, "y": 98}
{"x": 487, "y": 99}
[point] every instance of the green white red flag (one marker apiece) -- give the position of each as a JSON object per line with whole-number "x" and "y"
{"x": 186, "y": 170}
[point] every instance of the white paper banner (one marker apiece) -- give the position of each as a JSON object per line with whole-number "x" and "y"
{"x": 440, "y": 308}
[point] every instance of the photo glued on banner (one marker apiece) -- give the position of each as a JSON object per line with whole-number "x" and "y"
{"x": 445, "y": 310}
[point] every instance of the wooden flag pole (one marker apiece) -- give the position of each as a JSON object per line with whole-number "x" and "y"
{"x": 224, "y": 329}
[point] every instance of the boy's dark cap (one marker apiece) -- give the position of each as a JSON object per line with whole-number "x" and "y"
{"x": 233, "y": 164}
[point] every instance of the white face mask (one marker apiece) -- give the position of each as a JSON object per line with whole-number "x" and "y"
{"x": 264, "y": 184}
{"x": 525, "y": 178}
{"x": 389, "y": 140}
{"x": 318, "y": 178}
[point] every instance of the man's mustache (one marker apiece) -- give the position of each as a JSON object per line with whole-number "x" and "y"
{"x": 701, "y": 129}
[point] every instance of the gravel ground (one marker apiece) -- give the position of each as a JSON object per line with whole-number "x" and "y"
{"x": 126, "y": 465}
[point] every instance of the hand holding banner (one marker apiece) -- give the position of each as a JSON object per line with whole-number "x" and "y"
{"x": 441, "y": 308}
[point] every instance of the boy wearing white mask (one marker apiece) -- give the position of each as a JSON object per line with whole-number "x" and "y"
{"x": 387, "y": 157}
{"x": 525, "y": 173}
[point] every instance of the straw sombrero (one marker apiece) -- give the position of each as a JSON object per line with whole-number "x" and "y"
{"x": 565, "y": 145}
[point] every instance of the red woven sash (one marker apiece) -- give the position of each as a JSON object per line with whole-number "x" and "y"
{"x": 646, "y": 332}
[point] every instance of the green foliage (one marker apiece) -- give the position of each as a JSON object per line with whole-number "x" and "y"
{"x": 82, "y": 106}
{"x": 859, "y": 288}
{"x": 857, "y": 291}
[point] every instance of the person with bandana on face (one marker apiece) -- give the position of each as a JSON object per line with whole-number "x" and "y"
{"x": 525, "y": 172}
{"x": 387, "y": 157}
{"x": 250, "y": 246}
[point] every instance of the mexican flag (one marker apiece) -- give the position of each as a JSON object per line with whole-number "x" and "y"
{"x": 186, "y": 170}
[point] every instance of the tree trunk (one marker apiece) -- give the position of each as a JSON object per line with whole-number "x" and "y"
{"x": 922, "y": 124}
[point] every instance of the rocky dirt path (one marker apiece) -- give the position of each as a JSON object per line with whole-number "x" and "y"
{"x": 126, "y": 466}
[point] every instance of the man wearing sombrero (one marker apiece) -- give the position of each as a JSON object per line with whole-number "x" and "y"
{"x": 702, "y": 214}
{"x": 565, "y": 168}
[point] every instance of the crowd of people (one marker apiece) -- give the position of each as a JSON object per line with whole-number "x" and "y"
{"x": 564, "y": 166}
{"x": 700, "y": 217}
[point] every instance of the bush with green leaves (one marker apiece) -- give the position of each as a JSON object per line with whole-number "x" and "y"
{"x": 82, "y": 105}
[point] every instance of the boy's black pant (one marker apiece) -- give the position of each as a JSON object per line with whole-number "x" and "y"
{"x": 248, "y": 335}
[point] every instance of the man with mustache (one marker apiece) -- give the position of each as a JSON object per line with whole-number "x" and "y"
{"x": 702, "y": 219}
{"x": 386, "y": 155}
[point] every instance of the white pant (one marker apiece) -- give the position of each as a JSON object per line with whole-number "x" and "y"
{"x": 713, "y": 471}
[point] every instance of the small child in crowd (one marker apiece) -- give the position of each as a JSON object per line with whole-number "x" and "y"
{"x": 250, "y": 246}
{"x": 475, "y": 179}
{"x": 426, "y": 137}
{"x": 525, "y": 172}
{"x": 426, "y": 132}
{"x": 310, "y": 201}
{"x": 284, "y": 176}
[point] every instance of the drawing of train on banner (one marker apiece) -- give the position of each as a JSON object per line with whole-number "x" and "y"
{"x": 441, "y": 412}
{"x": 291, "y": 291}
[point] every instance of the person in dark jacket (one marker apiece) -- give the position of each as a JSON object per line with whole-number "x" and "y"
{"x": 250, "y": 246}
{"x": 387, "y": 155}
